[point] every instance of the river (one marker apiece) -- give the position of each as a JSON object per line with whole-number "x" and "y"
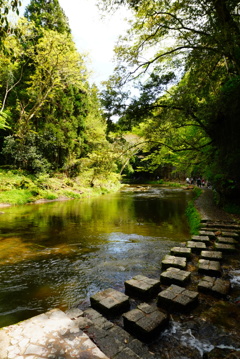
{"x": 58, "y": 254}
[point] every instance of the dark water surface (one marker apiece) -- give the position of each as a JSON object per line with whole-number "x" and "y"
{"x": 58, "y": 254}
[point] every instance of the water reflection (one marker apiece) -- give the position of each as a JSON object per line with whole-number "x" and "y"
{"x": 58, "y": 254}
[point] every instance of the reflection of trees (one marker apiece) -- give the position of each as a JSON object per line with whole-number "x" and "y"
{"x": 81, "y": 221}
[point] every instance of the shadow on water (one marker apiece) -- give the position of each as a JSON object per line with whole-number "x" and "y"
{"x": 58, "y": 254}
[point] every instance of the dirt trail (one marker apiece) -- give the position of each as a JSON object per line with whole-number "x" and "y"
{"x": 208, "y": 209}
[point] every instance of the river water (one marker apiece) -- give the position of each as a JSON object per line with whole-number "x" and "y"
{"x": 58, "y": 254}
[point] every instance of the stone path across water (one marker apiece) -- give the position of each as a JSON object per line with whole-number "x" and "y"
{"x": 90, "y": 335}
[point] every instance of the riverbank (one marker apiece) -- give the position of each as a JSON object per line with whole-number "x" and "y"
{"x": 18, "y": 187}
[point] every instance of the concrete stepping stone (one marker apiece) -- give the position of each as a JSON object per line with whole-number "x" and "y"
{"x": 142, "y": 287}
{"x": 145, "y": 322}
{"x": 226, "y": 240}
{"x": 223, "y": 226}
{"x": 181, "y": 252}
{"x": 225, "y": 233}
{"x": 204, "y": 239}
{"x": 113, "y": 340}
{"x": 173, "y": 261}
{"x": 177, "y": 299}
{"x": 196, "y": 247}
{"x": 175, "y": 276}
{"x": 225, "y": 248}
{"x": 215, "y": 286}
{"x": 208, "y": 267}
{"x": 210, "y": 234}
{"x": 110, "y": 302}
{"x": 211, "y": 255}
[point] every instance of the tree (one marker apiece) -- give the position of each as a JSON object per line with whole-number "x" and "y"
{"x": 6, "y": 7}
{"x": 200, "y": 44}
{"x": 48, "y": 15}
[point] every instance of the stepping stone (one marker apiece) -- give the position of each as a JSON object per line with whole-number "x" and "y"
{"x": 196, "y": 247}
{"x": 177, "y": 299}
{"x": 142, "y": 287}
{"x": 213, "y": 255}
{"x": 206, "y": 266}
{"x": 181, "y": 252}
{"x": 223, "y": 226}
{"x": 226, "y": 240}
{"x": 215, "y": 286}
{"x": 225, "y": 248}
{"x": 145, "y": 322}
{"x": 110, "y": 302}
{"x": 175, "y": 276}
{"x": 210, "y": 234}
{"x": 172, "y": 261}
{"x": 204, "y": 239}
{"x": 229, "y": 234}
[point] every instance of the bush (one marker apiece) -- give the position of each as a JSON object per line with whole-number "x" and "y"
{"x": 194, "y": 219}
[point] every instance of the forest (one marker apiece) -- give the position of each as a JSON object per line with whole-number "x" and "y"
{"x": 174, "y": 92}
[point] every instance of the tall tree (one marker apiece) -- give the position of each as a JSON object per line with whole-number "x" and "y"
{"x": 47, "y": 14}
{"x": 200, "y": 43}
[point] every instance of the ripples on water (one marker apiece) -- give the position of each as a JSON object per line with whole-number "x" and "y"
{"x": 58, "y": 254}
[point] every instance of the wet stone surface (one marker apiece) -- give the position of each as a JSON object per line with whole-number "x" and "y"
{"x": 142, "y": 287}
{"x": 110, "y": 302}
{"x": 113, "y": 340}
{"x": 145, "y": 322}
{"x": 215, "y": 286}
{"x": 176, "y": 298}
{"x": 175, "y": 276}
{"x": 208, "y": 267}
{"x": 173, "y": 261}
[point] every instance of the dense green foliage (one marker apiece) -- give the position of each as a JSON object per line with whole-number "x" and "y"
{"x": 50, "y": 116}
{"x": 183, "y": 57}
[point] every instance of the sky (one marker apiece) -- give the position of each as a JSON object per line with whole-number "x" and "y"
{"x": 93, "y": 35}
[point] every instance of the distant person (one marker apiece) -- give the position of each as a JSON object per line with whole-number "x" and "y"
{"x": 203, "y": 182}
{"x": 188, "y": 180}
{"x": 199, "y": 182}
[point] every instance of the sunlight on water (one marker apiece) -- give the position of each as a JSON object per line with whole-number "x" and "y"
{"x": 58, "y": 254}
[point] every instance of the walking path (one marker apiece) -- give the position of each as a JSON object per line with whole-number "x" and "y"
{"x": 89, "y": 335}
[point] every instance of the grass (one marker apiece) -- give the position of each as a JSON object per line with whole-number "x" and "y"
{"x": 16, "y": 196}
{"x": 19, "y": 187}
{"x": 193, "y": 216}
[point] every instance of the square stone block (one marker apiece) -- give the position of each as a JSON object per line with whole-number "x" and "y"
{"x": 142, "y": 287}
{"x": 175, "y": 276}
{"x": 212, "y": 268}
{"x": 145, "y": 322}
{"x": 214, "y": 286}
{"x": 225, "y": 248}
{"x": 177, "y": 299}
{"x": 204, "y": 239}
{"x": 212, "y": 255}
{"x": 208, "y": 233}
{"x": 173, "y": 261}
{"x": 181, "y": 252}
{"x": 227, "y": 240}
{"x": 196, "y": 247}
{"x": 110, "y": 302}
